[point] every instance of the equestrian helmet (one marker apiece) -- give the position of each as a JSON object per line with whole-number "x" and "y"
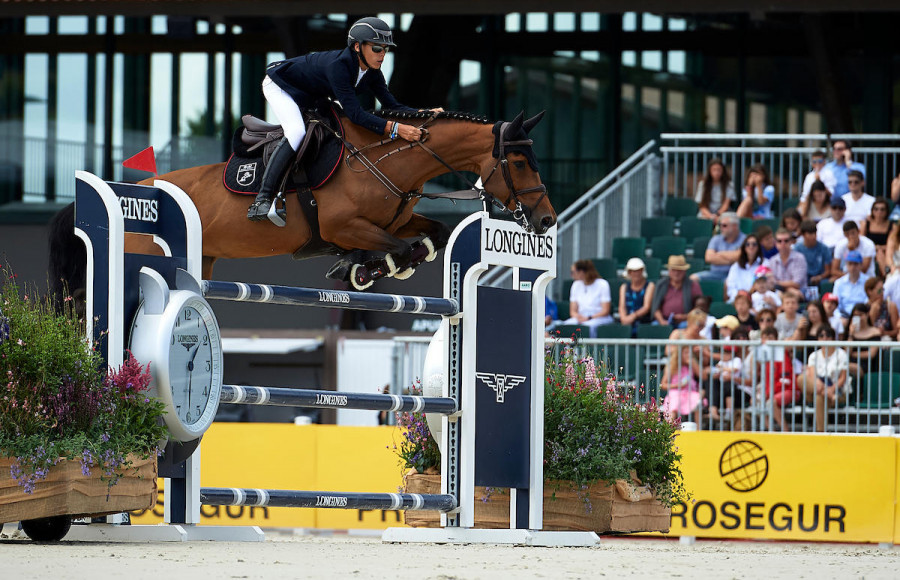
{"x": 370, "y": 29}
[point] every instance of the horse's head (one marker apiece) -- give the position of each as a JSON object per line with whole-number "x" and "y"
{"x": 525, "y": 195}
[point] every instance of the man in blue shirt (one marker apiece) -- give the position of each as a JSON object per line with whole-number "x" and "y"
{"x": 817, "y": 254}
{"x": 841, "y": 165}
{"x": 850, "y": 288}
{"x": 723, "y": 249}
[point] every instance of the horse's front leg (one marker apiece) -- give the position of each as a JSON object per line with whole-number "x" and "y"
{"x": 364, "y": 235}
{"x": 435, "y": 236}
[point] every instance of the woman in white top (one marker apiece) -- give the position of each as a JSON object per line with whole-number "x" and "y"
{"x": 589, "y": 299}
{"x": 716, "y": 192}
{"x": 825, "y": 380}
{"x": 818, "y": 205}
{"x": 743, "y": 272}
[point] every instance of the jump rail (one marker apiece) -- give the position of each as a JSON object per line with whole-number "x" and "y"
{"x": 326, "y": 499}
{"x": 243, "y": 292}
{"x": 272, "y": 396}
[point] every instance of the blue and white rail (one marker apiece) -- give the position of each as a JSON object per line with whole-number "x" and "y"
{"x": 271, "y": 294}
{"x": 325, "y": 499}
{"x": 336, "y": 400}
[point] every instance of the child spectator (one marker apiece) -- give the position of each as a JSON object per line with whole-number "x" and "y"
{"x": 819, "y": 174}
{"x": 817, "y": 254}
{"x": 680, "y": 383}
{"x": 715, "y": 193}
{"x": 702, "y": 303}
{"x": 832, "y": 314}
{"x": 766, "y": 319}
{"x": 830, "y": 230}
{"x": 589, "y": 299}
{"x": 788, "y": 320}
{"x": 825, "y": 378}
{"x": 726, "y": 372}
{"x": 551, "y": 313}
{"x": 758, "y": 194}
{"x": 850, "y": 288}
{"x": 853, "y": 241}
{"x": 766, "y": 238}
{"x": 744, "y": 316}
{"x": 776, "y": 370}
{"x": 790, "y": 221}
{"x": 763, "y": 296}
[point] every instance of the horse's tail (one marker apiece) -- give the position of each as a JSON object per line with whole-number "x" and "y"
{"x": 68, "y": 259}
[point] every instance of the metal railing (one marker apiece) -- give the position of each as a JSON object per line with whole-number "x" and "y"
{"x": 786, "y": 157}
{"x": 610, "y": 209}
{"x": 749, "y": 400}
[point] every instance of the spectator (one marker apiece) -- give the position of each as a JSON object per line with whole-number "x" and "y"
{"x": 673, "y": 297}
{"x": 762, "y": 295}
{"x": 776, "y": 373}
{"x": 859, "y": 203}
{"x": 742, "y": 273}
{"x": 766, "y": 318}
{"x": 551, "y": 314}
{"x": 758, "y": 194}
{"x": 589, "y": 298}
{"x": 841, "y": 165}
{"x": 702, "y": 303}
{"x": 726, "y": 326}
{"x": 790, "y": 220}
{"x": 830, "y": 230}
{"x": 766, "y": 241}
{"x": 850, "y": 288}
{"x": 636, "y": 297}
{"x": 787, "y": 321}
{"x": 817, "y": 255}
{"x": 832, "y": 314}
{"x": 788, "y": 266}
{"x": 877, "y": 228}
{"x": 818, "y": 206}
{"x": 820, "y": 174}
{"x": 892, "y": 250}
{"x": 892, "y": 287}
{"x": 853, "y": 242}
{"x": 882, "y": 313}
{"x": 715, "y": 193}
{"x": 825, "y": 380}
{"x": 723, "y": 249}
{"x": 725, "y": 373}
{"x": 680, "y": 381}
{"x": 815, "y": 319}
{"x": 862, "y": 360}
{"x": 742, "y": 307}
{"x": 895, "y": 197}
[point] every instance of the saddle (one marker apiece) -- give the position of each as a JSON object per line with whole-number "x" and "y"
{"x": 253, "y": 143}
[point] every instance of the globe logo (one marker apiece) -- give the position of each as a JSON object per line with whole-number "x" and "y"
{"x": 744, "y": 466}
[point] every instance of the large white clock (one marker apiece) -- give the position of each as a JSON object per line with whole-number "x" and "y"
{"x": 176, "y": 332}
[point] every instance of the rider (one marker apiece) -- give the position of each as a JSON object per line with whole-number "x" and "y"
{"x": 303, "y": 81}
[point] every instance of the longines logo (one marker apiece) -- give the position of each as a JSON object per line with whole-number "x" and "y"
{"x": 744, "y": 466}
{"x": 500, "y": 383}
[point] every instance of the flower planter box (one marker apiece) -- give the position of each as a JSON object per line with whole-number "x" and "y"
{"x": 610, "y": 510}
{"x": 66, "y": 491}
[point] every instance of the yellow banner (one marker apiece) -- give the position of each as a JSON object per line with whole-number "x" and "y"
{"x": 309, "y": 458}
{"x": 788, "y": 487}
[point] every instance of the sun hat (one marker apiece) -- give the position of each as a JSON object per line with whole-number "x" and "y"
{"x": 677, "y": 263}
{"x": 634, "y": 264}
{"x": 728, "y": 321}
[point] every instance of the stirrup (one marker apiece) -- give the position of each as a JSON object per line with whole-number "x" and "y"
{"x": 275, "y": 215}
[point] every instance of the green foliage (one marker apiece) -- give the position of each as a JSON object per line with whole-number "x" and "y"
{"x": 594, "y": 432}
{"x": 57, "y": 400}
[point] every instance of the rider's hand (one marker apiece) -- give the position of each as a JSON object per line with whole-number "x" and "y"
{"x": 408, "y": 132}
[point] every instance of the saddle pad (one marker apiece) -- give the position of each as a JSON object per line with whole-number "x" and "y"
{"x": 244, "y": 169}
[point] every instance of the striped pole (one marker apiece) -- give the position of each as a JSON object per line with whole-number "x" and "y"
{"x": 334, "y": 400}
{"x": 241, "y": 292}
{"x": 325, "y": 499}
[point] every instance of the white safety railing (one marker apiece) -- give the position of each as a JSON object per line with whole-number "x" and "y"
{"x": 786, "y": 157}
{"x": 748, "y": 400}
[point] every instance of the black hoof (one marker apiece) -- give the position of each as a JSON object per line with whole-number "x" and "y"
{"x": 340, "y": 270}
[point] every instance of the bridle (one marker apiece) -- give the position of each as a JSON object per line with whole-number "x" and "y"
{"x": 520, "y": 214}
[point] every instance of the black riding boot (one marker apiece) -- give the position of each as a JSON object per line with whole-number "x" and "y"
{"x": 279, "y": 161}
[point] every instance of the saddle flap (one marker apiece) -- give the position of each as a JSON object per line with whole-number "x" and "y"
{"x": 256, "y": 125}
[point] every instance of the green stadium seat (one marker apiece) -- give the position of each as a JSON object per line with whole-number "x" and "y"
{"x": 666, "y": 246}
{"x": 720, "y": 309}
{"x": 879, "y": 390}
{"x": 679, "y": 207}
{"x": 825, "y": 286}
{"x": 625, "y": 248}
{"x": 654, "y": 267}
{"x": 654, "y": 331}
{"x": 614, "y": 331}
{"x": 714, "y": 289}
{"x": 567, "y": 288}
{"x": 694, "y": 227}
{"x": 699, "y": 245}
{"x": 562, "y": 309}
{"x": 748, "y": 225}
{"x": 614, "y": 284}
{"x": 606, "y": 267}
{"x": 772, "y": 223}
{"x": 657, "y": 226}
{"x": 575, "y": 331}
{"x": 789, "y": 202}
{"x": 697, "y": 265}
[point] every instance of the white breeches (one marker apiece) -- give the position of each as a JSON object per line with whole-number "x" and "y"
{"x": 287, "y": 111}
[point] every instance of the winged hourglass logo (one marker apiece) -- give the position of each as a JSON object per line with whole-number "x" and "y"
{"x": 500, "y": 383}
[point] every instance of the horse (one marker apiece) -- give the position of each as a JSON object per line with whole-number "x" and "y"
{"x": 368, "y": 202}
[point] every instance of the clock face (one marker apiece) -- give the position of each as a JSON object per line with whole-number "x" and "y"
{"x": 194, "y": 359}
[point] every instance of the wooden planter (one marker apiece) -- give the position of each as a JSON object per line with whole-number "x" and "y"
{"x": 609, "y": 510}
{"x": 66, "y": 491}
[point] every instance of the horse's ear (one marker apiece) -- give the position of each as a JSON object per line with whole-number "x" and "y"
{"x": 516, "y": 124}
{"x": 529, "y": 124}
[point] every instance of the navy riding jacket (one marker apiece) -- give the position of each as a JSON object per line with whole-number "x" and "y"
{"x": 313, "y": 77}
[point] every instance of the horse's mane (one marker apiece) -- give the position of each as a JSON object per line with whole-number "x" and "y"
{"x": 455, "y": 115}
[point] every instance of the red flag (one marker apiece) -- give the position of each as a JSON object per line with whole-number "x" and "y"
{"x": 143, "y": 161}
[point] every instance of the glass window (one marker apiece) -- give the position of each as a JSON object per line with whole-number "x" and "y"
{"x": 37, "y": 25}
{"x": 651, "y": 22}
{"x": 651, "y": 60}
{"x": 73, "y": 24}
{"x": 537, "y": 22}
{"x": 590, "y": 22}
{"x": 513, "y": 22}
{"x": 677, "y": 62}
{"x": 564, "y": 21}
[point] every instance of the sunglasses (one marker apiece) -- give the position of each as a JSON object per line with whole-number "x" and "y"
{"x": 752, "y": 245}
{"x": 782, "y": 241}
{"x": 818, "y": 161}
{"x": 378, "y": 49}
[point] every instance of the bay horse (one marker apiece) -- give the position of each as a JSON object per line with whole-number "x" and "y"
{"x": 357, "y": 210}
